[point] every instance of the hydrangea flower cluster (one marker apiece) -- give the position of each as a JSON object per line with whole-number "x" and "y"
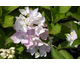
{"x": 30, "y": 27}
{"x": 71, "y": 37}
{"x": 7, "y": 53}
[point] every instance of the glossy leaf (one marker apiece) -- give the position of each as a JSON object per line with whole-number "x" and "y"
{"x": 55, "y": 54}
{"x": 64, "y": 9}
{"x": 66, "y": 54}
{"x": 2, "y": 39}
{"x": 7, "y": 21}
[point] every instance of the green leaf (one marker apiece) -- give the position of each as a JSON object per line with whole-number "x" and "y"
{"x": 76, "y": 27}
{"x": 7, "y": 21}
{"x": 66, "y": 54}
{"x": 64, "y": 9}
{"x": 63, "y": 44}
{"x": 46, "y": 7}
{"x": 1, "y": 57}
{"x": 9, "y": 9}
{"x": 76, "y": 42}
{"x": 47, "y": 13}
{"x": 2, "y": 39}
{"x": 55, "y": 54}
{"x": 55, "y": 15}
{"x": 48, "y": 24}
{"x": 74, "y": 15}
{"x": 0, "y": 11}
{"x": 78, "y": 57}
{"x": 19, "y": 49}
{"x": 55, "y": 29}
{"x": 9, "y": 40}
{"x": 61, "y": 35}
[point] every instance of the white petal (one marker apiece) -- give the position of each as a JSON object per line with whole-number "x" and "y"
{"x": 27, "y": 10}
{"x": 23, "y": 11}
{"x": 37, "y": 54}
{"x": 20, "y": 26}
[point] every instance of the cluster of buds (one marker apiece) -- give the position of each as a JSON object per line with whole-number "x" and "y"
{"x": 30, "y": 26}
{"x": 7, "y": 53}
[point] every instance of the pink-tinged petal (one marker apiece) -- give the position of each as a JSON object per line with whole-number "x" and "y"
{"x": 45, "y": 48}
{"x": 33, "y": 12}
{"x": 32, "y": 51}
{"x": 31, "y": 31}
{"x": 39, "y": 30}
{"x": 44, "y": 35}
{"x": 43, "y": 53}
{"x": 14, "y": 38}
{"x": 29, "y": 45}
{"x": 24, "y": 41}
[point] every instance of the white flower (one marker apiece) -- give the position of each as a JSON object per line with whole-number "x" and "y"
{"x": 37, "y": 54}
{"x": 71, "y": 37}
{"x": 10, "y": 56}
{"x": 77, "y": 22}
{"x": 12, "y": 48}
{"x": 20, "y": 26}
{"x": 20, "y": 17}
{"x": 43, "y": 53}
{"x": 24, "y": 11}
{"x": 7, "y": 53}
{"x": 39, "y": 30}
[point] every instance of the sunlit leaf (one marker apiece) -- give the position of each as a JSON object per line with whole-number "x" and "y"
{"x": 64, "y": 9}
{"x": 66, "y": 54}
{"x": 55, "y": 29}
{"x": 55, "y": 54}
{"x": 7, "y": 21}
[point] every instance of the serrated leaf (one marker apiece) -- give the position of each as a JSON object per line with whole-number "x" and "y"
{"x": 0, "y": 11}
{"x": 55, "y": 54}
{"x": 9, "y": 9}
{"x": 66, "y": 54}
{"x": 55, "y": 29}
{"x": 7, "y": 21}
{"x": 2, "y": 39}
{"x": 64, "y": 9}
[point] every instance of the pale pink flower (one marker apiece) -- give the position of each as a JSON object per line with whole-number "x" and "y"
{"x": 20, "y": 37}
